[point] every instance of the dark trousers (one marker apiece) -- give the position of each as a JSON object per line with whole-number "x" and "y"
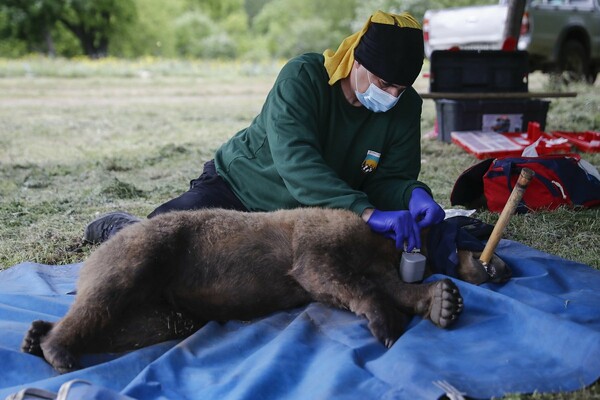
{"x": 208, "y": 191}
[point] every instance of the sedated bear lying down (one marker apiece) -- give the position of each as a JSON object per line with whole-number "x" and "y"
{"x": 165, "y": 277}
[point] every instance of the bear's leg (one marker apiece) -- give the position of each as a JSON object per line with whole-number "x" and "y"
{"x": 377, "y": 292}
{"x": 37, "y": 331}
{"x": 81, "y": 331}
{"x": 69, "y": 336}
{"x": 439, "y": 301}
{"x": 99, "y": 306}
{"x": 331, "y": 284}
{"x": 146, "y": 326}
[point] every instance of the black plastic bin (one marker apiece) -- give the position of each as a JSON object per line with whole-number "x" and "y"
{"x": 468, "y": 115}
{"x": 469, "y": 71}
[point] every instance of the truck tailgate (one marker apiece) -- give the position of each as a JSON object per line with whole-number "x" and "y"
{"x": 479, "y": 27}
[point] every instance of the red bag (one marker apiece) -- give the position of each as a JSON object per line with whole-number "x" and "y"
{"x": 559, "y": 180}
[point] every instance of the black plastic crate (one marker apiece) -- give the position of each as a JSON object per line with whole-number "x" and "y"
{"x": 474, "y": 115}
{"x": 469, "y": 71}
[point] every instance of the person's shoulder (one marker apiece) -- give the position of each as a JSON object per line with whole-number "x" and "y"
{"x": 411, "y": 97}
{"x": 411, "y": 93}
{"x": 307, "y": 63}
{"x": 308, "y": 59}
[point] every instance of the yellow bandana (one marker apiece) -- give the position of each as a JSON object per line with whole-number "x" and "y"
{"x": 339, "y": 63}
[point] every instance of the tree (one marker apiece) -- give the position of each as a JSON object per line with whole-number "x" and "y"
{"x": 253, "y": 7}
{"x": 95, "y": 22}
{"x": 292, "y": 27}
{"x": 32, "y": 22}
{"x": 217, "y": 9}
{"x": 152, "y": 32}
{"x": 191, "y": 28}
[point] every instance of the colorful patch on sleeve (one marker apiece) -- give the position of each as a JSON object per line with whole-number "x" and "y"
{"x": 371, "y": 161}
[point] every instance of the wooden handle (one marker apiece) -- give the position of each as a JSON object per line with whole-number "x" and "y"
{"x": 508, "y": 210}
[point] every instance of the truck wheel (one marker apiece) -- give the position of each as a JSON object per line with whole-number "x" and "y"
{"x": 574, "y": 62}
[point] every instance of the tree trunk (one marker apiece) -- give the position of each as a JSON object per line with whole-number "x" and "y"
{"x": 87, "y": 39}
{"x": 512, "y": 27}
{"x": 49, "y": 43}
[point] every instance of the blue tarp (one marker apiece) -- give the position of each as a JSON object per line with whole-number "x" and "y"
{"x": 538, "y": 332}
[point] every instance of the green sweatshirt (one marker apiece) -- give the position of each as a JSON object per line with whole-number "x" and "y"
{"x": 310, "y": 147}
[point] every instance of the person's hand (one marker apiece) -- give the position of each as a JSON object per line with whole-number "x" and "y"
{"x": 424, "y": 209}
{"x": 399, "y": 226}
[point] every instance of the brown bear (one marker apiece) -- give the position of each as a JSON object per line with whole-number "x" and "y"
{"x": 165, "y": 277}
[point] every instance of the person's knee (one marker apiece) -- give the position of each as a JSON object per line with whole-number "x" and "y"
{"x": 183, "y": 202}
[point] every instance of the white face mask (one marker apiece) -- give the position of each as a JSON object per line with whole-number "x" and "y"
{"x": 374, "y": 98}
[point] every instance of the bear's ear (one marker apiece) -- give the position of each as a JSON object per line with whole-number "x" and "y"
{"x": 468, "y": 188}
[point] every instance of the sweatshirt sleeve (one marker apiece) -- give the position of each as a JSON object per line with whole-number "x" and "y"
{"x": 292, "y": 131}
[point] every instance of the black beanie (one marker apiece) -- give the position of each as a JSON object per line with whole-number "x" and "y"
{"x": 393, "y": 53}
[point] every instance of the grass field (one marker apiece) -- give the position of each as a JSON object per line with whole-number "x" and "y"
{"x": 79, "y": 138}
{"x": 82, "y": 138}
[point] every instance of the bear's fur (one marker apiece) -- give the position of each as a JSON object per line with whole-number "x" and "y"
{"x": 165, "y": 277}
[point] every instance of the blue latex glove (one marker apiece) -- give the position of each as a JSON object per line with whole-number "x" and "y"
{"x": 424, "y": 209}
{"x": 397, "y": 225}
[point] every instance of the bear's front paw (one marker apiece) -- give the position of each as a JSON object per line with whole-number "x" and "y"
{"x": 446, "y": 303}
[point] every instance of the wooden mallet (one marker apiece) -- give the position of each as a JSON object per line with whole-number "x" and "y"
{"x": 507, "y": 212}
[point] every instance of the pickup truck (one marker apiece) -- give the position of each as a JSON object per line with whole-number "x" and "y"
{"x": 561, "y": 36}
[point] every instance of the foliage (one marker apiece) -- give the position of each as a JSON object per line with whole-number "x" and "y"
{"x": 10, "y": 45}
{"x": 291, "y": 27}
{"x": 96, "y": 22}
{"x": 188, "y": 28}
{"x": 253, "y": 7}
{"x": 31, "y": 21}
{"x": 152, "y": 32}
{"x": 18, "y": 22}
{"x": 218, "y": 9}
{"x": 93, "y": 23}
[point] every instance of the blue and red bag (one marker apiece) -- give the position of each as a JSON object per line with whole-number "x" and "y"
{"x": 560, "y": 180}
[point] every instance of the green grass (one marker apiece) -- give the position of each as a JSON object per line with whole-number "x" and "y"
{"x": 73, "y": 148}
{"x": 80, "y": 138}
